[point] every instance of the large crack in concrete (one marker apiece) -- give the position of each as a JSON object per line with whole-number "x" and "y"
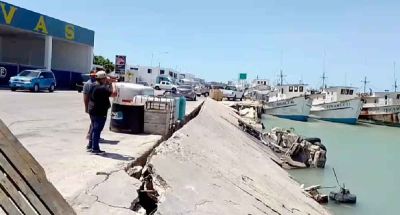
{"x": 148, "y": 197}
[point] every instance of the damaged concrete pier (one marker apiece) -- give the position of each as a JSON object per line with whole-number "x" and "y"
{"x": 211, "y": 167}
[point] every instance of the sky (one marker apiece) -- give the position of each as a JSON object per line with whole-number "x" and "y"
{"x": 217, "y": 40}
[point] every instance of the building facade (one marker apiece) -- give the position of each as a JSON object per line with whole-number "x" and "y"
{"x": 30, "y": 40}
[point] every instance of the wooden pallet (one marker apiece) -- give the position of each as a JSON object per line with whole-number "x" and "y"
{"x": 24, "y": 188}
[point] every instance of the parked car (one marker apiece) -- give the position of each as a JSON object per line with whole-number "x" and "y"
{"x": 34, "y": 80}
{"x": 84, "y": 79}
{"x": 165, "y": 85}
{"x": 187, "y": 91}
{"x": 232, "y": 93}
{"x": 203, "y": 90}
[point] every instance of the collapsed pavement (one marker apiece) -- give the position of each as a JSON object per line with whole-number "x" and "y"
{"x": 211, "y": 167}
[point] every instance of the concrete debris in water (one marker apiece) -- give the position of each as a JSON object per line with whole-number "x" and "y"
{"x": 295, "y": 150}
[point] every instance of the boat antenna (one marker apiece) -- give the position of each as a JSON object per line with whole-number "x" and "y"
{"x": 394, "y": 74}
{"x": 365, "y": 82}
{"x": 334, "y": 172}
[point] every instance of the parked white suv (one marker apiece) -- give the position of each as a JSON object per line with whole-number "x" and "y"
{"x": 232, "y": 93}
{"x": 165, "y": 85}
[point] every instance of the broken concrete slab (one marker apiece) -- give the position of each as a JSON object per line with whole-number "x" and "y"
{"x": 212, "y": 167}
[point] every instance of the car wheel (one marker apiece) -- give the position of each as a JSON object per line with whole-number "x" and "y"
{"x": 13, "y": 89}
{"x": 194, "y": 98}
{"x": 51, "y": 88}
{"x": 234, "y": 98}
{"x": 157, "y": 88}
{"x": 206, "y": 94}
{"x": 35, "y": 88}
{"x": 173, "y": 90}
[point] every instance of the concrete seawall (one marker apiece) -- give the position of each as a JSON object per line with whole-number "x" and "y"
{"x": 211, "y": 167}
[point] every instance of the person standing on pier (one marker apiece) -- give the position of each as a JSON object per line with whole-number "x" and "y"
{"x": 86, "y": 89}
{"x": 98, "y": 106}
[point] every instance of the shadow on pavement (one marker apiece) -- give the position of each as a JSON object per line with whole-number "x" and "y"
{"x": 117, "y": 156}
{"x": 111, "y": 142}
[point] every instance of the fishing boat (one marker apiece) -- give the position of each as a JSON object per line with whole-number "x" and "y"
{"x": 336, "y": 104}
{"x": 288, "y": 101}
{"x": 381, "y": 108}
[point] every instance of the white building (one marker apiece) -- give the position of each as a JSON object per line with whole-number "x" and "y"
{"x": 30, "y": 40}
{"x": 149, "y": 74}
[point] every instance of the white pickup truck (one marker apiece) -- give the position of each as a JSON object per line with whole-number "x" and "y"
{"x": 165, "y": 85}
{"x": 232, "y": 93}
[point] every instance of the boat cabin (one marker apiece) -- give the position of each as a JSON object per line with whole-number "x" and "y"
{"x": 289, "y": 91}
{"x": 257, "y": 82}
{"x": 333, "y": 94}
{"x": 381, "y": 98}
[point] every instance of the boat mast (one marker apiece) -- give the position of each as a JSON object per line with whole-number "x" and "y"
{"x": 365, "y": 82}
{"x": 323, "y": 73}
{"x": 323, "y": 80}
{"x": 394, "y": 74}
{"x": 281, "y": 76}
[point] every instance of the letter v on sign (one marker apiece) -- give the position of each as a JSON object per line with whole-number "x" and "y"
{"x": 8, "y": 15}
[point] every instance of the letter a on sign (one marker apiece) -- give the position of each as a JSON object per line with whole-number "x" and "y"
{"x": 8, "y": 16}
{"x": 41, "y": 26}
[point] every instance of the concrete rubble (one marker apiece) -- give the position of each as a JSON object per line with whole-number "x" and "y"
{"x": 211, "y": 167}
{"x": 295, "y": 150}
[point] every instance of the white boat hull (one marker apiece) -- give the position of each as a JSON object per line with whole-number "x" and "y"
{"x": 297, "y": 108}
{"x": 346, "y": 111}
{"x": 386, "y": 114}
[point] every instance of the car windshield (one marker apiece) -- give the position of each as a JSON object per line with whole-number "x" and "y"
{"x": 186, "y": 87}
{"x": 231, "y": 88}
{"x": 29, "y": 73}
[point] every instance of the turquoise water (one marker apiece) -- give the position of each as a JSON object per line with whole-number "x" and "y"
{"x": 365, "y": 157}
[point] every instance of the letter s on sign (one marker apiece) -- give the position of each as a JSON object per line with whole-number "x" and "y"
{"x": 69, "y": 32}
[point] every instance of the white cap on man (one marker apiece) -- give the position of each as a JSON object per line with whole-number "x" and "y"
{"x": 101, "y": 75}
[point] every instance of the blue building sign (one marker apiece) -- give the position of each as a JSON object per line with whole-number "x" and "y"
{"x": 31, "y": 21}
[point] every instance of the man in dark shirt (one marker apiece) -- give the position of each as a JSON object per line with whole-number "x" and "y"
{"x": 99, "y": 103}
{"x": 86, "y": 89}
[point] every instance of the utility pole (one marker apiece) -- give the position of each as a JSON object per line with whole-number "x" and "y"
{"x": 365, "y": 82}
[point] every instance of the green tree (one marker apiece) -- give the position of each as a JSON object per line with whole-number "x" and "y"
{"x": 105, "y": 62}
